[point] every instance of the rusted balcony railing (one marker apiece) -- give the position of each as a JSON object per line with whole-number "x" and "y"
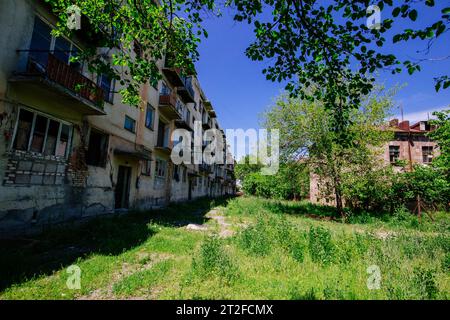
{"x": 73, "y": 80}
{"x": 67, "y": 76}
{"x": 168, "y": 100}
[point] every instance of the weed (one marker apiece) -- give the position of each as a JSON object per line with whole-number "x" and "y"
{"x": 424, "y": 282}
{"x": 321, "y": 247}
{"x": 214, "y": 260}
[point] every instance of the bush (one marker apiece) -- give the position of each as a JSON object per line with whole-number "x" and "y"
{"x": 270, "y": 233}
{"x": 425, "y": 284}
{"x": 321, "y": 247}
{"x": 214, "y": 260}
{"x": 291, "y": 182}
{"x": 383, "y": 190}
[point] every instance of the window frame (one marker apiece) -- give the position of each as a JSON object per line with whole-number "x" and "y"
{"x": 30, "y": 138}
{"x": 112, "y": 84}
{"x": 105, "y": 158}
{"x": 53, "y": 39}
{"x": 397, "y": 151}
{"x": 134, "y": 124}
{"x": 152, "y": 126}
{"x": 158, "y": 163}
{"x": 146, "y": 168}
{"x": 427, "y": 154}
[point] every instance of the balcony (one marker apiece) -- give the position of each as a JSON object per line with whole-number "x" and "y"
{"x": 59, "y": 82}
{"x": 168, "y": 106}
{"x": 172, "y": 73}
{"x": 186, "y": 92}
{"x": 183, "y": 124}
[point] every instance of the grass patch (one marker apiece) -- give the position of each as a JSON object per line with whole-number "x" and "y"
{"x": 281, "y": 250}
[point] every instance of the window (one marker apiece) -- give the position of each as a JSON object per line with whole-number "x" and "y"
{"x": 394, "y": 153}
{"x": 146, "y": 167}
{"x": 184, "y": 174}
{"x": 130, "y": 124}
{"x": 188, "y": 117}
{"x": 38, "y": 133}
{"x": 150, "y": 117}
{"x": 97, "y": 149}
{"x": 165, "y": 90}
{"x": 107, "y": 84}
{"x": 42, "y": 42}
{"x": 427, "y": 154}
{"x": 160, "y": 168}
{"x": 154, "y": 82}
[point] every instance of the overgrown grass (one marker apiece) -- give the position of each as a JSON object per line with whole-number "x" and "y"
{"x": 280, "y": 250}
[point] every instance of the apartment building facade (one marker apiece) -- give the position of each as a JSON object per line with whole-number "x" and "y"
{"x": 410, "y": 146}
{"x": 70, "y": 152}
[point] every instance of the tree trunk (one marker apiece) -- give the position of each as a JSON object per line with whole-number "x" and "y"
{"x": 338, "y": 196}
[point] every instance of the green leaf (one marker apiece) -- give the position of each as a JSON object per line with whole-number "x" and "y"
{"x": 413, "y": 15}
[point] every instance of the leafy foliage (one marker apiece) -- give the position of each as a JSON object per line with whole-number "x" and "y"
{"x": 330, "y": 46}
{"x": 441, "y": 135}
{"x": 307, "y": 134}
{"x": 290, "y": 182}
{"x": 135, "y": 36}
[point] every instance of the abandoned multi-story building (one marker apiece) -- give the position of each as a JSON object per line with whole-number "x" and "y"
{"x": 410, "y": 145}
{"x": 69, "y": 154}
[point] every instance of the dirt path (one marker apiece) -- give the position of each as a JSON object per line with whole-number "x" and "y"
{"x": 224, "y": 228}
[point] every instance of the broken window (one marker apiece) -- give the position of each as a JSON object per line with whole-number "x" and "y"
{"x": 427, "y": 154}
{"x": 40, "y": 126}
{"x": 394, "y": 153}
{"x": 97, "y": 149}
{"x": 23, "y": 130}
{"x": 41, "y": 134}
{"x": 52, "y": 138}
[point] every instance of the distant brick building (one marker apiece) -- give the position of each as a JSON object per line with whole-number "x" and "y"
{"x": 409, "y": 146}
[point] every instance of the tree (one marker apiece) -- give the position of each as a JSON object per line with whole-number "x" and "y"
{"x": 329, "y": 46}
{"x": 306, "y": 130}
{"x": 127, "y": 39}
{"x": 441, "y": 135}
{"x": 247, "y": 165}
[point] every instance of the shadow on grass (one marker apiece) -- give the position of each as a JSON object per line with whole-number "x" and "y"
{"x": 22, "y": 259}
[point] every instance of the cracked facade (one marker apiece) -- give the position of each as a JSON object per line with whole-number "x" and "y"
{"x": 68, "y": 154}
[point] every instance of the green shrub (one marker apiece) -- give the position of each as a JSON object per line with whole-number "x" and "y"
{"x": 213, "y": 260}
{"x": 321, "y": 247}
{"x": 269, "y": 232}
{"x": 425, "y": 284}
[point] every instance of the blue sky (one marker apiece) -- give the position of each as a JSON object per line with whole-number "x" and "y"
{"x": 239, "y": 91}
